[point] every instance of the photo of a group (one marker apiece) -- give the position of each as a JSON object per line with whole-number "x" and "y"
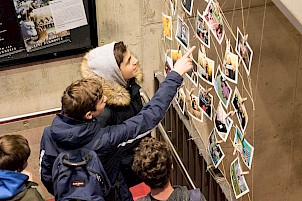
{"x": 168, "y": 65}
{"x": 244, "y": 51}
{"x": 205, "y": 68}
{"x": 167, "y": 26}
{"x": 205, "y": 102}
{"x": 239, "y": 106}
{"x": 180, "y": 99}
{"x": 222, "y": 88}
{"x": 192, "y": 106}
{"x": 182, "y": 33}
{"x": 213, "y": 18}
{"x": 230, "y": 66}
{"x": 202, "y": 30}
{"x": 215, "y": 150}
{"x": 245, "y": 149}
{"x": 222, "y": 123}
{"x": 239, "y": 184}
{"x": 192, "y": 74}
{"x": 187, "y": 5}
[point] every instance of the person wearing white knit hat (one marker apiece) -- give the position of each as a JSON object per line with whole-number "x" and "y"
{"x": 121, "y": 75}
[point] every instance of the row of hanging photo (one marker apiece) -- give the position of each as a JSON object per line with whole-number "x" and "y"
{"x": 205, "y": 75}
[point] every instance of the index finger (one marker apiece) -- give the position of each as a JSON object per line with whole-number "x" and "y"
{"x": 189, "y": 51}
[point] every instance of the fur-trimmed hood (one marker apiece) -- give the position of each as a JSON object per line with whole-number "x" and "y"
{"x": 116, "y": 94}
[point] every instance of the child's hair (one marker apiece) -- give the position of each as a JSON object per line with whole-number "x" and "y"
{"x": 153, "y": 162}
{"x": 81, "y": 97}
{"x": 119, "y": 49}
{"x": 14, "y": 152}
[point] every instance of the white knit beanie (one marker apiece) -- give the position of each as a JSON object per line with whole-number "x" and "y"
{"x": 102, "y": 62}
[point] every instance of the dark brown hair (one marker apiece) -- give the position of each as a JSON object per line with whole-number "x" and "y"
{"x": 81, "y": 97}
{"x": 14, "y": 152}
{"x": 153, "y": 162}
{"x": 119, "y": 49}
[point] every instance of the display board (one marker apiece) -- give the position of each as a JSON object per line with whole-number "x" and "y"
{"x": 33, "y": 30}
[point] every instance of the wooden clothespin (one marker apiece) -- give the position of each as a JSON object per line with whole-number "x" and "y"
{"x": 208, "y": 90}
{"x": 219, "y": 141}
{"x": 244, "y": 173}
{"x": 231, "y": 113}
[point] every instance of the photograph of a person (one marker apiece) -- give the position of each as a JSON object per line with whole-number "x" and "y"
{"x": 205, "y": 102}
{"x": 222, "y": 88}
{"x": 187, "y": 5}
{"x": 241, "y": 112}
{"x": 173, "y": 6}
{"x": 192, "y": 106}
{"x": 230, "y": 67}
{"x": 245, "y": 149}
{"x": 192, "y": 74}
{"x": 222, "y": 123}
{"x": 202, "y": 30}
{"x": 205, "y": 68}
{"x": 168, "y": 65}
{"x": 180, "y": 98}
{"x": 239, "y": 184}
{"x": 215, "y": 151}
{"x": 175, "y": 55}
{"x": 182, "y": 33}
{"x": 167, "y": 26}
{"x": 244, "y": 51}
{"x": 213, "y": 18}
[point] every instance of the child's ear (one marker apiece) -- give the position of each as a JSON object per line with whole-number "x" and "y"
{"x": 88, "y": 115}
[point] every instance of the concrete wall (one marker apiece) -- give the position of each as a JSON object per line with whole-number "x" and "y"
{"x": 274, "y": 127}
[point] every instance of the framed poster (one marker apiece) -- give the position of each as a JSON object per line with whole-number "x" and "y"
{"x": 43, "y": 29}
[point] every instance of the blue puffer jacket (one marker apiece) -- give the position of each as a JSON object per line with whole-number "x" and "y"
{"x": 67, "y": 133}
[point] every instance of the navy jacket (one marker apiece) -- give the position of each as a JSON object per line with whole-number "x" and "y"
{"x": 68, "y": 133}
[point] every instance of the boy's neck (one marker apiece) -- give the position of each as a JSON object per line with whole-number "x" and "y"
{"x": 162, "y": 193}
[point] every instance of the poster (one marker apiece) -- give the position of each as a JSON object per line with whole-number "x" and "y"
{"x": 10, "y": 36}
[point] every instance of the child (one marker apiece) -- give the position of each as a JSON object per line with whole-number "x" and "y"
{"x": 76, "y": 126}
{"x": 14, "y": 185}
{"x": 153, "y": 163}
{"x": 120, "y": 74}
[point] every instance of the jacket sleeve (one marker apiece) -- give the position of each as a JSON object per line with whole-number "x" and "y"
{"x": 46, "y": 162}
{"x": 146, "y": 120}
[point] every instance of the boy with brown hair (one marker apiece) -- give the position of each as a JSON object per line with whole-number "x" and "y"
{"x": 76, "y": 126}
{"x": 153, "y": 163}
{"x": 14, "y": 185}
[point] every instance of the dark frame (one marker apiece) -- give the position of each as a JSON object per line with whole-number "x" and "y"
{"x": 82, "y": 39}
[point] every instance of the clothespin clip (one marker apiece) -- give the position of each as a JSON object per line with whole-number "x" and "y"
{"x": 243, "y": 99}
{"x": 178, "y": 48}
{"x": 219, "y": 141}
{"x": 231, "y": 113}
{"x": 208, "y": 90}
{"x": 234, "y": 151}
{"x": 228, "y": 45}
{"x": 244, "y": 173}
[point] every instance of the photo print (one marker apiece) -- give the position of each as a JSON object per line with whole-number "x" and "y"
{"x": 173, "y": 6}
{"x": 241, "y": 112}
{"x": 244, "y": 51}
{"x": 175, "y": 55}
{"x": 202, "y": 30}
{"x": 215, "y": 150}
{"x": 180, "y": 99}
{"x": 205, "y": 68}
{"x": 167, "y": 26}
{"x": 192, "y": 74}
{"x": 222, "y": 123}
{"x": 239, "y": 184}
{"x": 230, "y": 67}
{"x": 168, "y": 65}
{"x": 245, "y": 149}
{"x": 222, "y": 88}
{"x": 213, "y": 18}
{"x": 205, "y": 102}
{"x": 192, "y": 106}
{"x": 187, "y": 5}
{"x": 182, "y": 33}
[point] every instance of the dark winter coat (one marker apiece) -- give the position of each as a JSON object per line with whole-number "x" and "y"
{"x": 68, "y": 133}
